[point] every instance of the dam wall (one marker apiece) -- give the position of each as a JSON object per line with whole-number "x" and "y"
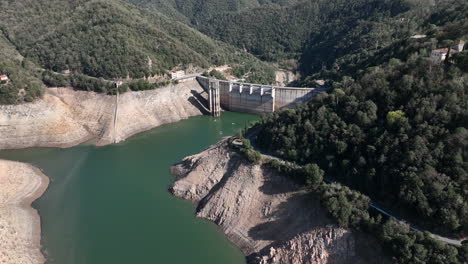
{"x": 204, "y": 83}
{"x": 247, "y": 98}
{"x": 289, "y": 96}
{"x": 254, "y": 98}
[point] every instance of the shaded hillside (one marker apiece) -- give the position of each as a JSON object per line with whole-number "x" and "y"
{"x": 326, "y": 39}
{"x": 198, "y": 11}
{"x": 442, "y": 24}
{"x": 275, "y": 31}
{"x": 107, "y": 38}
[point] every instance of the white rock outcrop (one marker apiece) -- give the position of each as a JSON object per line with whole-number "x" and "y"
{"x": 65, "y": 117}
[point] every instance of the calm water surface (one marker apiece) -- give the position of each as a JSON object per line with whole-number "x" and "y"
{"x": 110, "y": 205}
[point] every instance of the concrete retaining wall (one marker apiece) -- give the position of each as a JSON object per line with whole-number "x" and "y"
{"x": 257, "y": 98}
{"x": 286, "y": 97}
{"x": 204, "y": 83}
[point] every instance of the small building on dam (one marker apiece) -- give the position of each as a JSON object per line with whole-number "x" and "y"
{"x": 252, "y": 98}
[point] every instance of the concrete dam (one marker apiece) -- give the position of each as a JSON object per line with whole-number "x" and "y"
{"x": 252, "y": 98}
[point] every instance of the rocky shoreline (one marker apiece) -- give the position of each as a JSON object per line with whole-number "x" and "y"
{"x": 65, "y": 118}
{"x": 20, "y": 228}
{"x": 266, "y": 215}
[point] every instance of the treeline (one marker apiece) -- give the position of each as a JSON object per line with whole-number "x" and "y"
{"x": 24, "y": 82}
{"x": 99, "y": 85}
{"x": 142, "y": 85}
{"x": 22, "y": 85}
{"x": 79, "y": 82}
{"x": 309, "y": 174}
{"x": 351, "y": 209}
{"x": 254, "y": 73}
{"x": 214, "y": 74}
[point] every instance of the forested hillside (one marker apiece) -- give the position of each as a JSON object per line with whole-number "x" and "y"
{"x": 198, "y": 11}
{"x": 397, "y": 132}
{"x": 321, "y": 39}
{"x": 103, "y": 38}
{"x": 288, "y": 32}
{"x": 24, "y": 82}
{"x": 106, "y": 38}
{"x": 443, "y": 23}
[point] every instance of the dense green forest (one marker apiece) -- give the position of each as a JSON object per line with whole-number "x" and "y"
{"x": 398, "y": 133}
{"x": 442, "y": 24}
{"x": 104, "y": 39}
{"x": 321, "y": 39}
{"x": 24, "y": 82}
{"x": 351, "y": 209}
{"x": 278, "y": 33}
{"x": 197, "y": 11}
{"x": 107, "y": 39}
{"x": 393, "y": 128}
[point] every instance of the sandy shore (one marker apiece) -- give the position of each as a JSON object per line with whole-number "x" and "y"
{"x": 20, "y": 228}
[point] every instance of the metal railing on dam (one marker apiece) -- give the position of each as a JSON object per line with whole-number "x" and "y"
{"x": 253, "y": 98}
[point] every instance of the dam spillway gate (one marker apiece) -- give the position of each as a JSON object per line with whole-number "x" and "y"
{"x": 252, "y": 98}
{"x": 214, "y": 98}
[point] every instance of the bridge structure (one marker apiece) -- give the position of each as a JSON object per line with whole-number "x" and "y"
{"x": 252, "y": 98}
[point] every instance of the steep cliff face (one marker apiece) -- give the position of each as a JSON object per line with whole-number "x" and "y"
{"x": 64, "y": 117}
{"x": 266, "y": 215}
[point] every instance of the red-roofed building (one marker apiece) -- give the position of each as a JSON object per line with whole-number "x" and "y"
{"x": 3, "y": 78}
{"x": 440, "y": 55}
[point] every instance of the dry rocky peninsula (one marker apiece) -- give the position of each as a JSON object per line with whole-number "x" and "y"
{"x": 266, "y": 215}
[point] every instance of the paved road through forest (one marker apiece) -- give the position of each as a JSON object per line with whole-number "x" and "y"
{"x": 372, "y": 204}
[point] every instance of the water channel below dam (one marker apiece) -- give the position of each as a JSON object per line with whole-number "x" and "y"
{"x": 110, "y": 205}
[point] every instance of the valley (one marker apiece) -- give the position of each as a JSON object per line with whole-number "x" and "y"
{"x": 357, "y": 152}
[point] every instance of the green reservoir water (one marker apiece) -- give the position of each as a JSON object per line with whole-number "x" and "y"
{"x": 110, "y": 205}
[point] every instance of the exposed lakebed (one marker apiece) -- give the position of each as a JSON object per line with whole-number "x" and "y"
{"x": 111, "y": 205}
